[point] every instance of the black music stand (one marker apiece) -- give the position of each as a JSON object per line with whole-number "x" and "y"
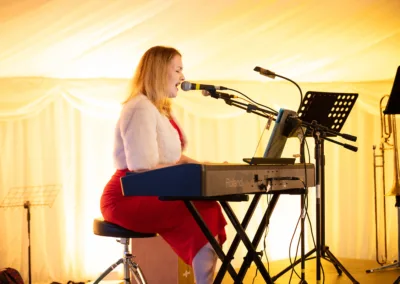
{"x": 393, "y": 104}
{"x": 393, "y": 108}
{"x": 27, "y": 197}
{"x": 324, "y": 115}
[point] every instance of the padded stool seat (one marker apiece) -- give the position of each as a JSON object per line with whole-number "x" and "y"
{"x": 107, "y": 229}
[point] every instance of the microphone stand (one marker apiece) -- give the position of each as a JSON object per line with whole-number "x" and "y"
{"x": 27, "y": 206}
{"x": 322, "y": 251}
{"x": 303, "y": 216}
{"x": 268, "y": 114}
{"x": 319, "y": 133}
{"x": 250, "y": 108}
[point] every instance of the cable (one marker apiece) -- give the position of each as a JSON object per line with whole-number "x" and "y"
{"x": 267, "y": 107}
{"x": 306, "y": 207}
{"x": 259, "y": 140}
{"x": 265, "y": 236}
{"x": 264, "y": 243}
{"x": 290, "y": 246}
{"x": 228, "y": 99}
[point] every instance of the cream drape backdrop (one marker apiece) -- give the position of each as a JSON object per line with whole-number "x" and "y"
{"x": 56, "y": 132}
{"x": 60, "y": 132}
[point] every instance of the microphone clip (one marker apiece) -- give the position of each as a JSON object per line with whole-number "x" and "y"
{"x": 220, "y": 95}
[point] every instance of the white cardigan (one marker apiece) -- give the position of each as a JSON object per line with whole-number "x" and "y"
{"x": 144, "y": 137}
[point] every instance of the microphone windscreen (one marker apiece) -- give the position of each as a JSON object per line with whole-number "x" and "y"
{"x": 186, "y": 86}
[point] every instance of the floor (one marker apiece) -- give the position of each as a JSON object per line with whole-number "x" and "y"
{"x": 356, "y": 268}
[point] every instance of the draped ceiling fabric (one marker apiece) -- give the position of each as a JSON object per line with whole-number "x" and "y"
{"x": 65, "y": 67}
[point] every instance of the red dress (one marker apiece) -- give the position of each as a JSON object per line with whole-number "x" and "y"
{"x": 170, "y": 219}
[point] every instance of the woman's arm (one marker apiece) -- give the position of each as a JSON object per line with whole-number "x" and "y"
{"x": 183, "y": 160}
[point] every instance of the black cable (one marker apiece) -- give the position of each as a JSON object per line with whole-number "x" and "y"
{"x": 306, "y": 214}
{"x": 298, "y": 243}
{"x": 267, "y": 107}
{"x": 255, "y": 276}
{"x": 305, "y": 183}
{"x": 265, "y": 236}
{"x": 264, "y": 243}
{"x": 290, "y": 246}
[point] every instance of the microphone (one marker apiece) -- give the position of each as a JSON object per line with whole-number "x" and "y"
{"x": 187, "y": 86}
{"x": 265, "y": 72}
{"x": 272, "y": 75}
{"x": 218, "y": 95}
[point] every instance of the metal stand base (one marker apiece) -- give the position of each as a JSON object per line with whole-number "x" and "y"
{"x": 321, "y": 250}
{"x": 396, "y": 264}
{"x": 129, "y": 266}
{"x": 329, "y": 257}
{"x": 389, "y": 266}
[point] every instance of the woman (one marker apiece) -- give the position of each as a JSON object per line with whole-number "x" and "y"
{"x": 147, "y": 137}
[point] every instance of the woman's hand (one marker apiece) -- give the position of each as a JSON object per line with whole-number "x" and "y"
{"x": 186, "y": 160}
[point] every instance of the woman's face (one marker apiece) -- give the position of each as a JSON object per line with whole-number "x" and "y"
{"x": 175, "y": 75}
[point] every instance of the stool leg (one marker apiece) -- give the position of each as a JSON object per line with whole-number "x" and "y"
{"x": 104, "y": 274}
{"x": 126, "y": 255}
{"x": 130, "y": 265}
{"x": 136, "y": 271}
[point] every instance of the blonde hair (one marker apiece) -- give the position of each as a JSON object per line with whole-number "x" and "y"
{"x": 150, "y": 77}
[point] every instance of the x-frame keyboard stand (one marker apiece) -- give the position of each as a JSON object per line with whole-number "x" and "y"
{"x": 252, "y": 254}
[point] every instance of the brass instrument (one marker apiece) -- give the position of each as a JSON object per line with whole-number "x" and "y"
{"x": 388, "y": 130}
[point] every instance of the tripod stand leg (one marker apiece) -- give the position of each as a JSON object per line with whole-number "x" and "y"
{"x": 28, "y": 216}
{"x": 339, "y": 267}
{"x": 292, "y": 266}
{"x": 334, "y": 262}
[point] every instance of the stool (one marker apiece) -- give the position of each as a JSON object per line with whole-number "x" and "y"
{"x": 107, "y": 229}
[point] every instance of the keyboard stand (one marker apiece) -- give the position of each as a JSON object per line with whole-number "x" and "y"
{"x": 241, "y": 235}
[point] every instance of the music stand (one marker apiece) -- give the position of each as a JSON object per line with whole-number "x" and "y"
{"x": 27, "y": 197}
{"x": 328, "y": 109}
{"x": 393, "y": 108}
{"x": 393, "y": 104}
{"x": 324, "y": 115}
